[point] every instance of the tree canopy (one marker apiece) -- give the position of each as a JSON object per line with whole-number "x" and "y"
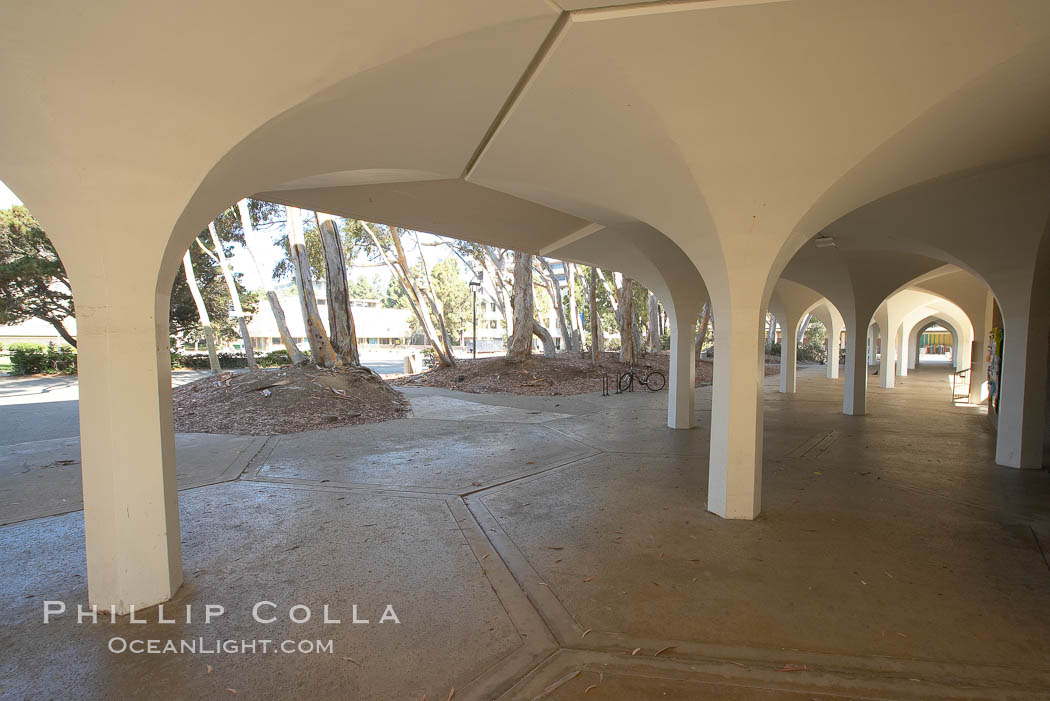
{"x": 184, "y": 321}
{"x": 33, "y": 281}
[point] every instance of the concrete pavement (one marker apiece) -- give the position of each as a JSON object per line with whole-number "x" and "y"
{"x": 530, "y": 557}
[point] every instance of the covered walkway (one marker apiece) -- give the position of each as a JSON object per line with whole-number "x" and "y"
{"x": 523, "y": 539}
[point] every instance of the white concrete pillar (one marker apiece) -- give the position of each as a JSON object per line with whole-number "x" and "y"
{"x": 982, "y": 326}
{"x": 131, "y": 515}
{"x": 886, "y": 367}
{"x": 788, "y": 353}
{"x": 873, "y": 347}
{"x": 735, "y": 477}
{"x": 913, "y": 348}
{"x": 902, "y": 352}
{"x": 681, "y": 391}
{"x": 1022, "y": 407}
{"x": 835, "y": 331}
{"x": 854, "y": 400}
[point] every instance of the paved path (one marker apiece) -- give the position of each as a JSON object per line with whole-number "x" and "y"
{"x": 530, "y": 557}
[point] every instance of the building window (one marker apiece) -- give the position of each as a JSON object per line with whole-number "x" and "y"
{"x": 493, "y": 324}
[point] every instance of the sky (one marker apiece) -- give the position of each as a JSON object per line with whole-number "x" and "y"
{"x": 7, "y": 198}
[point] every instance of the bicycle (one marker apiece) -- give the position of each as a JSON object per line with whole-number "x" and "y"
{"x": 654, "y": 380}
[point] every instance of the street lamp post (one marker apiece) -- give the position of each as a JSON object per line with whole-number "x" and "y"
{"x": 475, "y": 284}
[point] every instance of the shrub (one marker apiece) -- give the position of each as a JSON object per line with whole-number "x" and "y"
{"x": 34, "y": 358}
{"x": 814, "y": 351}
{"x": 28, "y": 358}
{"x": 665, "y": 340}
{"x": 429, "y": 358}
{"x": 274, "y": 359}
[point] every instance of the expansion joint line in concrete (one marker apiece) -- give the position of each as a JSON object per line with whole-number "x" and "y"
{"x": 858, "y": 676}
{"x": 1039, "y": 546}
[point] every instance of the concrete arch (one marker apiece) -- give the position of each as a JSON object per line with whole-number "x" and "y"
{"x": 920, "y": 328}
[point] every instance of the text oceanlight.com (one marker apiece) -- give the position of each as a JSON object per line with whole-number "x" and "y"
{"x": 202, "y": 646}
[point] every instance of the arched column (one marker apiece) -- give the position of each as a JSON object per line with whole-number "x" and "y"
{"x": 735, "y": 467}
{"x": 887, "y": 322}
{"x": 131, "y": 517}
{"x": 1022, "y": 406}
{"x": 854, "y": 400}
{"x": 788, "y": 351}
{"x": 982, "y": 326}
{"x": 834, "y": 334}
{"x": 681, "y": 399}
{"x": 902, "y": 352}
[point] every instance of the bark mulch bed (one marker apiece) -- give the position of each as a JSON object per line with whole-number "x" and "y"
{"x": 567, "y": 373}
{"x": 289, "y": 399}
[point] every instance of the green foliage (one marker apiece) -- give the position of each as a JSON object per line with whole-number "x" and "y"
{"x": 816, "y": 332}
{"x": 361, "y": 287}
{"x": 274, "y": 359}
{"x": 33, "y": 281}
{"x": 814, "y": 351}
{"x": 35, "y": 358}
{"x": 228, "y": 223}
{"x": 815, "y": 348}
{"x": 429, "y": 358}
{"x": 228, "y": 361}
{"x": 453, "y": 294}
{"x": 665, "y": 340}
{"x": 314, "y": 253}
{"x": 395, "y": 297}
{"x": 184, "y": 321}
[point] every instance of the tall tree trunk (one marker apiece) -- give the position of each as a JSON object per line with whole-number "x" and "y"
{"x": 592, "y": 304}
{"x": 202, "y": 311}
{"x": 771, "y": 332}
{"x": 574, "y": 317}
{"x": 627, "y": 354}
{"x": 498, "y": 276}
{"x": 61, "y": 329}
{"x": 550, "y": 283}
{"x": 802, "y": 328}
{"x": 251, "y": 240}
{"x": 432, "y": 299}
{"x": 399, "y": 268}
{"x": 320, "y": 347}
{"x": 705, "y": 320}
{"x": 636, "y": 326}
{"x": 612, "y": 290}
{"x": 654, "y": 324}
{"x": 520, "y": 346}
{"x": 341, "y": 330}
{"x": 546, "y": 339}
{"x": 238, "y": 310}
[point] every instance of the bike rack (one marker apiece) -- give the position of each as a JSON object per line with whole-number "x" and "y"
{"x": 605, "y": 384}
